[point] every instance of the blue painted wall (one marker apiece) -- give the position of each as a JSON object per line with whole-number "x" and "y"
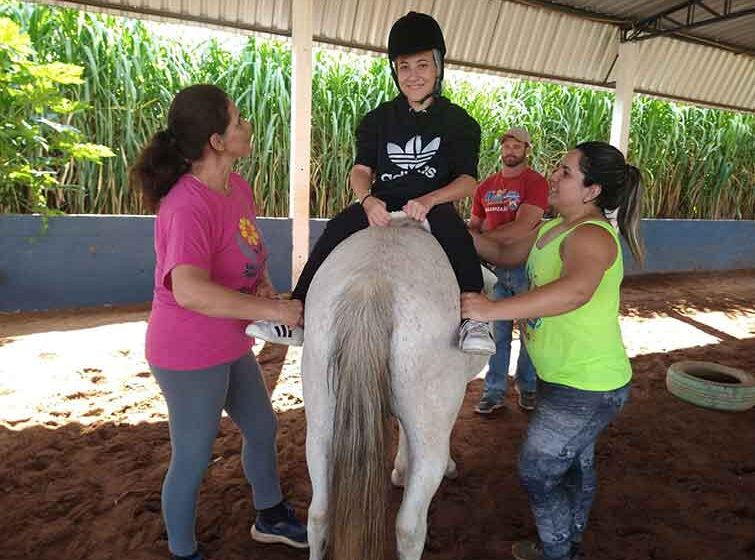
{"x": 687, "y": 245}
{"x": 95, "y": 260}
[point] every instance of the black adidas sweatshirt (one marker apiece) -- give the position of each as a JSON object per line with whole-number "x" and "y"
{"x": 414, "y": 153}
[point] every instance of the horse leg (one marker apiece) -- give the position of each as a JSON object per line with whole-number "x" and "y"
{"x": 428, "y": 464}
{"x": 400, "y": 464}
{"x": 319, "y": 414}
{"x": 317, "y": 461}
{"x": 398, "y": 475}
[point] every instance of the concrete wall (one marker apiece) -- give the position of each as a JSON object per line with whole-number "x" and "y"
{"x": 95, "y": 260}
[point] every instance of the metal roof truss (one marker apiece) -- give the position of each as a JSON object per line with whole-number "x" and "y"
{"x": 683, "y": 17}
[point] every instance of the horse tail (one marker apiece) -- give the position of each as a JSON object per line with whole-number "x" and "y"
{"x": 359, "y": 369}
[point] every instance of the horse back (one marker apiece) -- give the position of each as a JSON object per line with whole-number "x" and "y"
{"x": 407, "y": 266}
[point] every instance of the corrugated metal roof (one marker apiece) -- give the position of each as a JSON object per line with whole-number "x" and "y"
{"x": 519, "y": 38}
{"x": 738, "y": 32}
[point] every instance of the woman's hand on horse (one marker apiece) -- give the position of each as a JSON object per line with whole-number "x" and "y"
{"x": 417, "y": 208}
{"x": 291, "y": 312}
{"x": 377, "y": 215}
{"x": 477, "y": 306}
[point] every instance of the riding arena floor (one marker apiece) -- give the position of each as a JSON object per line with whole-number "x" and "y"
{"x": 84, "y": 444}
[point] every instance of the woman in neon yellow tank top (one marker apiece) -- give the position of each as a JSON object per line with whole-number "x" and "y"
{"x": 575, "y": 268}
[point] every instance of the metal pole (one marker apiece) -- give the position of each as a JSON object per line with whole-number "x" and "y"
{"x": 626, "y": 75}
{"x": 301, "y": 125}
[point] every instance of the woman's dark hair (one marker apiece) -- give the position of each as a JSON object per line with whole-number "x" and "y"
{"x": 196, "y": 113}
{"x": 621, "y": 189}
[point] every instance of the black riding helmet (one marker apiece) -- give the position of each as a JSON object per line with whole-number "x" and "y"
{"x": 413, "y": 33}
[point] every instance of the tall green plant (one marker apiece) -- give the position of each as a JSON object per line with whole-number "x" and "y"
{"x": 698, "y": 163}
{"x": 37, "y": 142}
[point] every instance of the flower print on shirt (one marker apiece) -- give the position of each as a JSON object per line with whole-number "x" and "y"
{"x": 249, "y": 241}
{"x": 249, "y": 231}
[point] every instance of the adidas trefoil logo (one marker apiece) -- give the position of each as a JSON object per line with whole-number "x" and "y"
{"x": 413, "y": 155}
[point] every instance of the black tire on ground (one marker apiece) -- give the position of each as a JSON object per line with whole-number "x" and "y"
{"x": 711, "y": 385}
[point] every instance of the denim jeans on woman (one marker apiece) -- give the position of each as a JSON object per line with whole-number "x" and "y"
{"x": 557, "y": 461}
{"x": 511, "y": 281}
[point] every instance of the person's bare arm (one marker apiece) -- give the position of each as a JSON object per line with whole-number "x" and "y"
{"x": 265, "y": 286}
{"x": 498, "y": 254}
{"x": 360, "y": 180}
{"x": 475, "y": 223}
{"x": 194, "y": 290}
{"x": 461, "y": 187}
{"x": 528, "y": 217}
{"x": 587, "y": 253}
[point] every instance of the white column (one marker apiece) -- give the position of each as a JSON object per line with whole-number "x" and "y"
{"x": 301, "y": 125}
{"x": 626, "y": 76}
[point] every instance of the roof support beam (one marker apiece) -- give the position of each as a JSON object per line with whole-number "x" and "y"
{"x": 626, "y": 73}
{"x": 301, "y": 126}
{"x": 663, "y": 23}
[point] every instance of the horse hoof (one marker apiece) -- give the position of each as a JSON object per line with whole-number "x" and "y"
{"x": 397, "y": 478}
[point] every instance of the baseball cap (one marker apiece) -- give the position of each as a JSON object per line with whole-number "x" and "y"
{"x": 518, "y": 133}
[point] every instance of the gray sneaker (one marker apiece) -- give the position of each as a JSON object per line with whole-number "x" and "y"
{"x": 526, "y": 399}
{"x": 490, "y": 402}
{"x": 475, "y": 337}
{"x": 277, "y": 333}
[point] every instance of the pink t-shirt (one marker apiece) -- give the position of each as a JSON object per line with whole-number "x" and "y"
{"x": 201, "y": 227}
{"x": 498, "y": 198}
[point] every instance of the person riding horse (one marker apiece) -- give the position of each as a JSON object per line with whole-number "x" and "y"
{"x": 417, "y": 153}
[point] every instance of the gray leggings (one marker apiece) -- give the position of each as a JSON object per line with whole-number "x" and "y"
{"x": 195, "y": 401}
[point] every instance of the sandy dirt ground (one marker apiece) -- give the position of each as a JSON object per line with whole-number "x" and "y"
{"x": 84, "y": 444}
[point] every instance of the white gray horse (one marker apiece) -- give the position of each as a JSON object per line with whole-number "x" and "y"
{"x": 382, "y": 319}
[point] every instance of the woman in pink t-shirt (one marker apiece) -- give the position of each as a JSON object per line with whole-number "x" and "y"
{"x": 210, "y": 281}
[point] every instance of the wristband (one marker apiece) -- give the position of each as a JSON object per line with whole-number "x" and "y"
{"x": 368, "y": 195}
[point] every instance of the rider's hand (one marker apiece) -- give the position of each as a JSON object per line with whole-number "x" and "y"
{"x": 377, "y": 215}
{"x": 417, "y": 208}
{"x": 478, "y": 307}
{"x": 291, "y": 312}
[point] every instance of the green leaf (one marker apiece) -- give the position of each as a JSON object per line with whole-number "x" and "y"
{"x": 58, "y": 72}
{"x": 56, "y": 126}
{"x": 11, "y": 38}
{"x": 89, "y": 152}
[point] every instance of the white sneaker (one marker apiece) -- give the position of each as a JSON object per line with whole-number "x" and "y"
{"x": 475, "y": 337}
{"x": 277, "y": 333}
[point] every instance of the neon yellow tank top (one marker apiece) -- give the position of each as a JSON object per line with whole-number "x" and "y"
{"x": 582, "y": 348}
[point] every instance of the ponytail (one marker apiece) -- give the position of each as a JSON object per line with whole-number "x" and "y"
{"x": 621, "y": 189}
{"x": 158, "y": 168}
{"x": 630, "y": 210}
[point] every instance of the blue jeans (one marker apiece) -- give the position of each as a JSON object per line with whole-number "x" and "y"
{"x": 556, "y": 462}
{"x": 511, "y": 281}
